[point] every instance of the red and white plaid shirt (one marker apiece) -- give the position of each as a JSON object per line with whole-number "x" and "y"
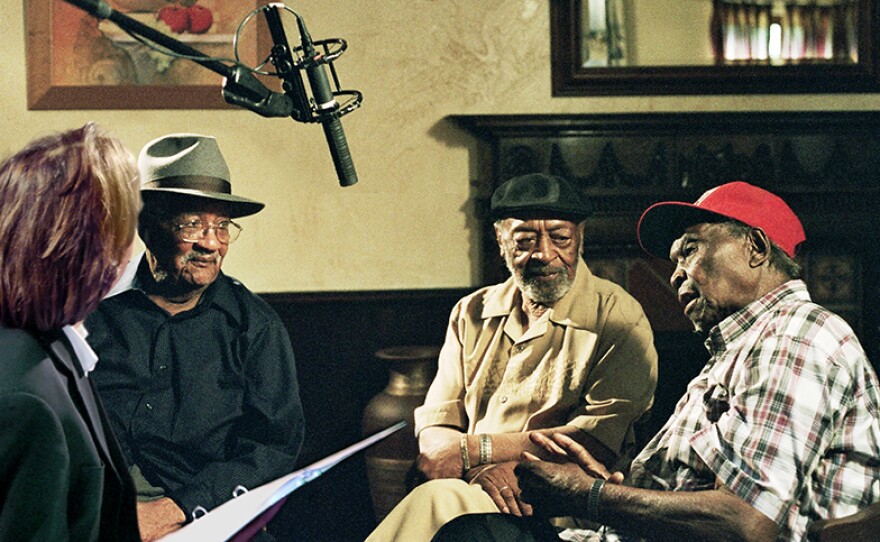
{"x": 800, "y": 440}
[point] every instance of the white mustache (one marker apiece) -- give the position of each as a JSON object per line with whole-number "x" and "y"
{"x": 540, "y": 270}
{"x": 204, "y": 258}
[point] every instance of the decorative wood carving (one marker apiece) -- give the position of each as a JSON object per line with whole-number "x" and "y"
{"x": 826, "y": 165}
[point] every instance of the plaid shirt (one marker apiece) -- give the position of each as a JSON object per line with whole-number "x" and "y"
{"x": 798, "y": 437}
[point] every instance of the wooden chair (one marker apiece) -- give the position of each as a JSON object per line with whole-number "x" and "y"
{"x": 863, "y": 526}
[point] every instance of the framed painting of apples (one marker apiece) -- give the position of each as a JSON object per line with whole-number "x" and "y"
{"x": 76, "y": 61}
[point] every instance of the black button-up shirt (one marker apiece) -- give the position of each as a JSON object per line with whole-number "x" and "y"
{"x": 203, "y": 401}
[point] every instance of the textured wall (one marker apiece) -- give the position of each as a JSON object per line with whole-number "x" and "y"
{"x": 408, "y": 223}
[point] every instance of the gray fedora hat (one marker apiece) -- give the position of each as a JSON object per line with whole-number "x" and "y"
{"x": 189, "y": 166}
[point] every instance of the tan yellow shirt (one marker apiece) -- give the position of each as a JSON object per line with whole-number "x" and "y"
{"x": 589, "y": 362}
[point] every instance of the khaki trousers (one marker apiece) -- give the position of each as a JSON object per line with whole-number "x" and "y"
{"x": 428, "y": 507}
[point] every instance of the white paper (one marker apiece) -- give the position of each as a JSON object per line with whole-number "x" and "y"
{"x": 223, "y": 522}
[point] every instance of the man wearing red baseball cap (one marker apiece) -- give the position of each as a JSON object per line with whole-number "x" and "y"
{"x": 663, "y": 222}
{"x": 745, "y": 211}
{"x": 778, "y": 432}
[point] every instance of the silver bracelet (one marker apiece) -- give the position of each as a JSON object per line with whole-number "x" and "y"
{"x": 593, "y": 498}
{"x": 465, "y": 459}
{"x": 485, "y": 449}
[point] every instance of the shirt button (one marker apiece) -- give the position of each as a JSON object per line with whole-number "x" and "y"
{"x": 519, "y": 348}
{"x": 149, "y": 406}
{"x": 503, "y": 399}
{"x": 163, "y": 367}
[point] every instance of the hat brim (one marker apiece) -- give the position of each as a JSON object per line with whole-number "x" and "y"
{"x": 530, "y": 213}
{"x": 662, "y": 223}
{"x": 236, "y": 206}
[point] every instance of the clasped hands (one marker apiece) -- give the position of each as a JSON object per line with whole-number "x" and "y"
{"x": 440, "y": 457}
{"x": 556, "y": 484}
{"x": 559, "y": 486}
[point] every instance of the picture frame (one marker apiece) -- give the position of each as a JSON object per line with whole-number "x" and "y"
{"x": 76, "y": 61}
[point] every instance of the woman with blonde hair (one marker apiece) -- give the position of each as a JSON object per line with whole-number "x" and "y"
{"x": 68, "y": 214}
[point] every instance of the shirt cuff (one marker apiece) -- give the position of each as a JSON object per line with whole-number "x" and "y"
{"x": 611, "y": 423}
{"x": 447, "y": 413}
{"x": 193, "y": 500}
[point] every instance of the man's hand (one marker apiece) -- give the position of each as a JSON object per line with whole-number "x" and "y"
{"x": 158, "y": 518}
{"x": 499, "y": 482}
{"x": 563, "y": 449}
{"x": 554, "y": 489}
{"x": 559, "y": 487}
{"x": 440, "y": 453}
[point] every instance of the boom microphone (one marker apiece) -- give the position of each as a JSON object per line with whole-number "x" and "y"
{"x": 326, "y": 108}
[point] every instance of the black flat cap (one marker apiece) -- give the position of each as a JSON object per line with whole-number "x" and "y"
{"x": 538, "y": 195}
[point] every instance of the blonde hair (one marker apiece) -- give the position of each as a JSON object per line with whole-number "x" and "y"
{"x": 68, "y": 214}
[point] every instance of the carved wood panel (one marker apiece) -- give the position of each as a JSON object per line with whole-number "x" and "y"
{"x": 826, "y": 165}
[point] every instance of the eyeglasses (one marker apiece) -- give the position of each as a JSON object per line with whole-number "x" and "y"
{"x": 194, "y": 231}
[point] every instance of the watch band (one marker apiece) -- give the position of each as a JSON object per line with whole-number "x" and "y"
{"x": 593, "y": 498}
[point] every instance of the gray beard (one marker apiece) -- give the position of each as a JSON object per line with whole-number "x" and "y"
{"x": 543, "y": 292}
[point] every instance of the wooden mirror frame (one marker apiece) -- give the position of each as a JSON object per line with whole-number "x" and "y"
{"x": 571, "y": 79}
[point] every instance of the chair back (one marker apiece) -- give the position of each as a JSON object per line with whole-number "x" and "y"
{"x": 864, "y": 525}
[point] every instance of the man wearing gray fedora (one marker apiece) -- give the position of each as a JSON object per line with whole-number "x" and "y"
{"x": 197, "y": 373}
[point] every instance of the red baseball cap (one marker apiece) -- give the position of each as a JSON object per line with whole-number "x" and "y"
{"x": 664, "y": 222}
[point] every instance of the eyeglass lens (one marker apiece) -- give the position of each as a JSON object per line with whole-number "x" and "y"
{"x": 226, "y": 231}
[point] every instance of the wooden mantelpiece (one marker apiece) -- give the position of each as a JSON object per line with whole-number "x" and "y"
{"x": 625, "y": 162}
{"x": 826, "y": 165}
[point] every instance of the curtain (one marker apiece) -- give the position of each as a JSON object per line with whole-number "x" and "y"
{"x": 603, "y": 42}
{"x": 805, "y": 31}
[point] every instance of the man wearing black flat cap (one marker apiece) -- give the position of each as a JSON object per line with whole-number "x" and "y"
{"x": 197, "y": 373}
{"x": 777, "y": 434}
{"x": 552, "y": 349}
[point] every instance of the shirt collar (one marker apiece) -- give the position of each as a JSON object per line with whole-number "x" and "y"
{"x": 738, "y": 323}
{"x": 506, "y": 298}
{"x": 76, "y": 335}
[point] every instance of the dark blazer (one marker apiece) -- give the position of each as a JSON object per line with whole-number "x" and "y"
{"x": 62, "y": 475}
